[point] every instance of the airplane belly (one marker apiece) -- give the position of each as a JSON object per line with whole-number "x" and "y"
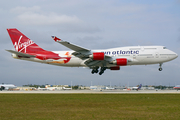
{"x": 74, "y": 62}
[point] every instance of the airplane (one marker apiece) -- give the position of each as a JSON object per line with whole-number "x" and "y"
{"x": 177, "y": 87}
{"x": 137, "y": 88}
{"x": 109, "y": 88}
{"x": 64, "y": 88}
{"x": 39, "y": 88}
{"x": 47, "y": 88}
{"x": 97, "y": 60}
{"x": 7, "y": 86}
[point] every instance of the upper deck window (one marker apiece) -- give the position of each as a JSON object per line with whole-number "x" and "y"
{"x": 150, "y": 48}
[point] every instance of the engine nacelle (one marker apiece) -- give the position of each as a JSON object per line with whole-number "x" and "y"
{"x": 97, "y": 56}
{"x": 120, "y": 62}
{"x": 115, "y": 68}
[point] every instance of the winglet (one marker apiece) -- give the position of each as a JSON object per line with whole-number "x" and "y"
{"x": 55, "y": 38}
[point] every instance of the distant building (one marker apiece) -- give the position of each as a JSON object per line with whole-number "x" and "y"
{"x": 147, "y": 88}
{"x": 26, "y": 88}
{"x": 85, "y": 88}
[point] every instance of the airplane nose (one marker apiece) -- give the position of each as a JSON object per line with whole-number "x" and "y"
{"x": 173, "y": 55}
{"x": 176, "y": 55}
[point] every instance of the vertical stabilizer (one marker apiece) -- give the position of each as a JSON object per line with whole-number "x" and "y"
{"x": 140, "y": 86}
{"x": 22, "y": 43}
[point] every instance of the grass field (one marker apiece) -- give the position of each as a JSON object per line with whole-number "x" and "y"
{"x": 89, "y": 106}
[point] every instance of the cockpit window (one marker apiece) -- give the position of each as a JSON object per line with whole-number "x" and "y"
{"x": 164, "y": 47}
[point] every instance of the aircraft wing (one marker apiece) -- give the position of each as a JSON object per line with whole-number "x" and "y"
{"x": 20, "y": 53}
{"x": 70, "y": 46}
{"x": 82, "y": 53}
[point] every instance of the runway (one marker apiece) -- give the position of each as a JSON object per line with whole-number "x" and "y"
{"x": 96, "y": 92}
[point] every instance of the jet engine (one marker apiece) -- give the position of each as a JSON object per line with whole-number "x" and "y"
{"x": 120, "y": 62}
{"x": 97, "y": 56}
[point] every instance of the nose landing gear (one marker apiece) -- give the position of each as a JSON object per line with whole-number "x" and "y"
{"x": 160, "y": 67}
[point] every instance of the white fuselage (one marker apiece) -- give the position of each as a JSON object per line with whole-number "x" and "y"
{"x": 8, "y": 86}
{"x": 97, "y": 60}
{"x": 136, "y": 55}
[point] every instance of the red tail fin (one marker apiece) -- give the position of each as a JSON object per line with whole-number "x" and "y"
{"x": 22, "y": 43}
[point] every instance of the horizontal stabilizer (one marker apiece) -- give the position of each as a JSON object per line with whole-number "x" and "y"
{"x": 20, "y": 53}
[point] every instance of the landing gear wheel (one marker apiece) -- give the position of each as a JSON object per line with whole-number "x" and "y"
{"x": 95, "y": 71}
{"x": 160, "y": 69}
{"x": 160, "y": 65}
{"x": 102, "y": 70}
{"x": 100, "y": 73}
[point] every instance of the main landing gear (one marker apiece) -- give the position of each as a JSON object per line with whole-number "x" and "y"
{"x": 95, "y": 70}
{"x": 102, "y": 70}
{"x": 160, "y": 67}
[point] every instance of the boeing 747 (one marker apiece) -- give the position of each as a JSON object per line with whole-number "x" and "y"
{"x": 97, "y": 60}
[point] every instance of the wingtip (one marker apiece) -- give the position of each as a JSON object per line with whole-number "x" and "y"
{"x": 55, "y": 38}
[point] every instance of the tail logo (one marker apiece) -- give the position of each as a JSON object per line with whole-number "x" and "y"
{"x": 22, "y": 46}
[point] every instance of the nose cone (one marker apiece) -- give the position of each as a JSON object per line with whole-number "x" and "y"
{"x": 175, "y": 55}
{"x": 171, "y": 55}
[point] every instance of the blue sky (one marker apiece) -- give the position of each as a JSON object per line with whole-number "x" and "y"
{"x": 94, "y": 25}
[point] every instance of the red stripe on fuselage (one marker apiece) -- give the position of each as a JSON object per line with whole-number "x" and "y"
{"x": 45, "y": 55}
